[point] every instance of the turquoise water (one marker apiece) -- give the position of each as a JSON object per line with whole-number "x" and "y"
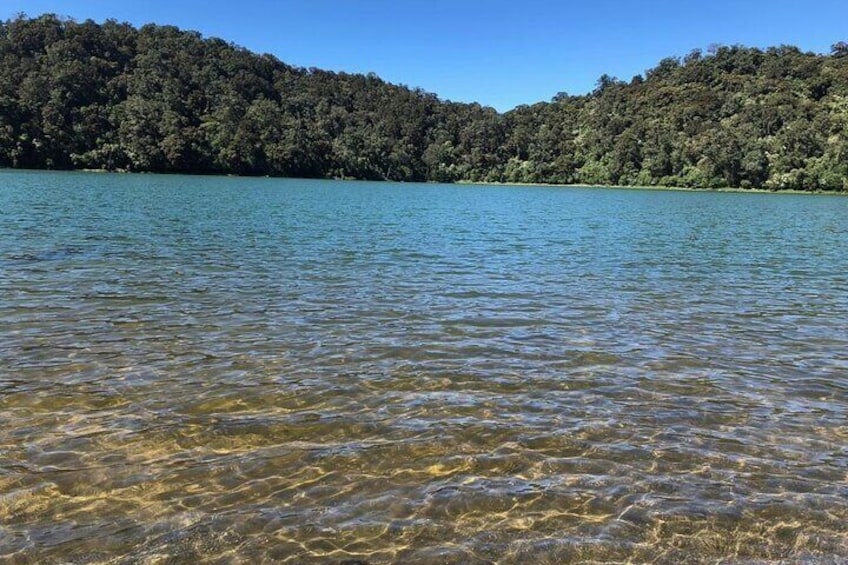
{"x": 257, "y": 370}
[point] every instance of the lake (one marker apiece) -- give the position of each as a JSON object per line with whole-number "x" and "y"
{"x": 273, "y": 370}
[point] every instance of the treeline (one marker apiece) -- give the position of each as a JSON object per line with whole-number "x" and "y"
{"x": 110, "y": 96}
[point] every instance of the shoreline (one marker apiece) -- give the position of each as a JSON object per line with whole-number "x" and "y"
{"x": 459, "y": 182}
{"x": 665, "y": 188}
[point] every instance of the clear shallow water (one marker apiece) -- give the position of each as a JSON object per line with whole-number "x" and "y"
{"x": 256, "y": 370}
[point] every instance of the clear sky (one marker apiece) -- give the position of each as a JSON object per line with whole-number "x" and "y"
{"x": 500, "y": 53}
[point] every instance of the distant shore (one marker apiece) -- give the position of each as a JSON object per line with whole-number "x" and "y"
{"x": 657, "y": 187}
{"x": 459, "y": 182}
{"x": 735, "y": 116}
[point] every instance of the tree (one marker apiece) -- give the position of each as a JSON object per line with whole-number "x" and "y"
{"x": 162, "y": 99}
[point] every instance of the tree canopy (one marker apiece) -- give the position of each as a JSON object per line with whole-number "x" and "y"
{"x": 110, "y": 96}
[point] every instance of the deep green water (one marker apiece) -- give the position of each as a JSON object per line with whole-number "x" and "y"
{"x": 240, "y": 370}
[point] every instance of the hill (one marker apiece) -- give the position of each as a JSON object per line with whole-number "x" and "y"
{"x": 159, "y": 99}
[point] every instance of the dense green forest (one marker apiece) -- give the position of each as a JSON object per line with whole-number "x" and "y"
{"x": 110, "y": 96}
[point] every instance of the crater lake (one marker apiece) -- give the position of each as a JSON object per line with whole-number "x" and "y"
{"x": 247, "y": 370}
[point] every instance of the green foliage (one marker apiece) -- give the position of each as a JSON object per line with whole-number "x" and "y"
{"x": 735, "y": 117}
{"x": 110, "y": 96}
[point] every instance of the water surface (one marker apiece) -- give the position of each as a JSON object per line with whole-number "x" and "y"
{"x": 256, "y": 370}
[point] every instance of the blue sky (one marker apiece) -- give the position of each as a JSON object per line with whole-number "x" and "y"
{"x": 499, "y": 53}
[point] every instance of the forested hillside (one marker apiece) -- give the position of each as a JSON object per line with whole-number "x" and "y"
{"x": 110, "y": 96}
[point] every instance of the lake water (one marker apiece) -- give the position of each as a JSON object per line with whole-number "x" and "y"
{"x": 236, "y": 370}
